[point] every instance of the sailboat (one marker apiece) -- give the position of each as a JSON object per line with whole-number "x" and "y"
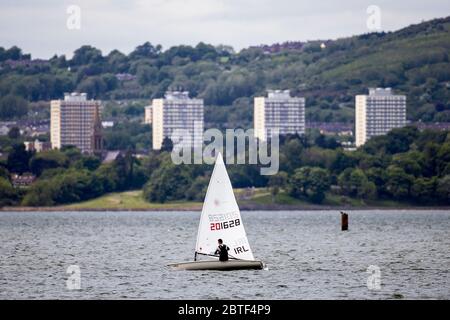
{"x": 221, "y": 219}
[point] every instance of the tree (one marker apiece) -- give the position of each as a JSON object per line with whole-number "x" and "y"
{"x": 140, "y": 176}
{"x": 167, "y": 145}
{"x": 354, "y": 183}
{"x": 398, "y": 183}
{"x": 400, "y": 139}
{"x": 94, "y": 86}
{"x": 411, "y": 162}
{"x": 367, "y": 161}
{"x": 18, "y": 159}
{"x": 128, "y": 135}
{"x": 146, "y": 50}
{"x": 205, "y": 51}
{"x": 68, "y": 186}
{"x": 14, "y": 133}
{"x": 343, "y": 161}
{"x": 40, "y": 194}
{"x": 146, "y": 74}
{"x": 74, "y": 186}
{"x": 86, "y": 55}
{"x": 12, "y": 107}
{"x": 134, "y": 110}
{"x": 8, "y": 195}
{"x": 118, "y": 61}
{"x": 423, "y": 190}
{"x": 13, "y": 53}
{"x": 4, "y": 173}
{"x": 290, "y": 154}
{"x": 110, "y": 81}
{"x": 443, "y": 159}
{"x": 430, "y": 152}
{"x": 319, "y": 183}
{"x": 326, "y": 142}
{"x": 225, "y": 49}
{"x": 124, "y": 166}
{"x": 378, "y": 177}
{"x": 443, "y": 189}
{"x": 311, "y": 182}
{"x": 167, "y": 183}
{"x": 318, "y": 157}
{"x": 277, "y": 182}
{"x": 88, "y": 162}
{"x": 197, "y": 189}
{"x": 396, "y": 141}
{"x": 47, "y": 160}
{"x": 107, "y": 176}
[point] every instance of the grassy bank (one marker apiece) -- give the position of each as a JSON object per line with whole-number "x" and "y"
{"x": 263, "y": 197}
{"x": 248, "y": 199}
{"x": 129, "y": 200}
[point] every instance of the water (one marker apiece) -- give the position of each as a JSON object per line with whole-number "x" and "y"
{"x": 124, "y": 255}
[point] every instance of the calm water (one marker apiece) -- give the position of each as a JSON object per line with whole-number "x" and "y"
{"x": 123, "y": 255}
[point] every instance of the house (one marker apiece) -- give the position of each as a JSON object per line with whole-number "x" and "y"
{"x": 111, "y": 156}
{"x": 37, "y": 145}
{"x": 24, "y": 180}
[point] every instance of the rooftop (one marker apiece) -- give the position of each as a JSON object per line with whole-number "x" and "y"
{"x": 380, "y": 91}
{"x": 75, "y": 96}
{"x": 279, "y": 94}
{"x": 173, "y": 95}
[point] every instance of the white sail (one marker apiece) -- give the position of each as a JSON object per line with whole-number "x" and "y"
{"x": 221, "y": 218}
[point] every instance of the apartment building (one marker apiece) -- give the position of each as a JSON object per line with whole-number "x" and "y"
{"x": 278, "y": 111}
{"x": 75, "y": 121}
{"x": 176, "y": 112}
{"x": 377, "y": 113}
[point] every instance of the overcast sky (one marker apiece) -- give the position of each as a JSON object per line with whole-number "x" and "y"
{"x": 39, "y": 27}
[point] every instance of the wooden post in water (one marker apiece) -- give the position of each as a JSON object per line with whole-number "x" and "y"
{"x": 344, "y": 221}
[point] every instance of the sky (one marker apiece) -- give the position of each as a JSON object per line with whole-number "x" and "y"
{"x": 40, "y": 27}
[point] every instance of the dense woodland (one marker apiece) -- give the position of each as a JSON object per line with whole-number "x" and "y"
{"x": 406, "y": 165}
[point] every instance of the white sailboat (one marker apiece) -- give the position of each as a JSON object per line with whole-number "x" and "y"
{"x": 221, "y": 219}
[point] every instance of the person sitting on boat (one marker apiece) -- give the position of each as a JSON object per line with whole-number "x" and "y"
{"x": 222, "y": 251}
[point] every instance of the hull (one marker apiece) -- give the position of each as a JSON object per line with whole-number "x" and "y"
{"x": 218, "y": 265}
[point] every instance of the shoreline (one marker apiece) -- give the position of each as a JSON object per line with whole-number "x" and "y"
{"x": 241, "y": 207}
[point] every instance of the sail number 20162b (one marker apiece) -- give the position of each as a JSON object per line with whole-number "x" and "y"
{"x": 215, "y": 226}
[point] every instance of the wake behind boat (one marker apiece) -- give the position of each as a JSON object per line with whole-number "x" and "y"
{"x": 221, "y": 219}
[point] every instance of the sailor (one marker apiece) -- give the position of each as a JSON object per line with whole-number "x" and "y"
{"x": 222, "y": 251}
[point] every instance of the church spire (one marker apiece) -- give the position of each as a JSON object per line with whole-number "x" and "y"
{"x": 97, "y": 137}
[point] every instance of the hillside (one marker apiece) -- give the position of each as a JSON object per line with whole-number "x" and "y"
{"x": 413, "y": 60}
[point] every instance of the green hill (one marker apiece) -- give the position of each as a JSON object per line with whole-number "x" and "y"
{"x": 413, "y": 61}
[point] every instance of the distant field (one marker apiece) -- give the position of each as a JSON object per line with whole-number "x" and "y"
{"x": 129, "y": 200}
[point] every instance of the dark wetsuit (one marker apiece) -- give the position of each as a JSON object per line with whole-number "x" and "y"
{"x": 222, "y": 251}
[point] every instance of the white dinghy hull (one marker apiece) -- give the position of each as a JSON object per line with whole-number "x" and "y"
{"x": 219, "y": 265}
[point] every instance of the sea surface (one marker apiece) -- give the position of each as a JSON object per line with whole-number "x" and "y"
{"x": 123, "y": 255}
